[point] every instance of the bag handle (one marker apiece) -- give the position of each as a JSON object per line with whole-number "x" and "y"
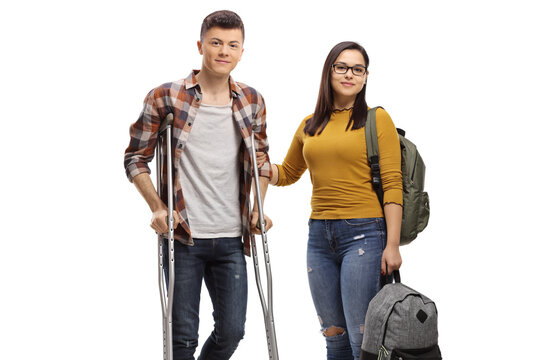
{"x": 395, "y": 276}
{"x": 372, "y": 147}
{"x": 371, "y": 133}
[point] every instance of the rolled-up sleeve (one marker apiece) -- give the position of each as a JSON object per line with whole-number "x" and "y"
{"x": 261, "y": 139}
{"x": 143, "y": 135}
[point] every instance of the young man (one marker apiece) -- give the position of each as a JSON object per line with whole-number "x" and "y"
{"x": 214, "y": 117}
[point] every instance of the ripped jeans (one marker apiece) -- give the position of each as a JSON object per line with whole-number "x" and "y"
{"x": 344, "y": 267}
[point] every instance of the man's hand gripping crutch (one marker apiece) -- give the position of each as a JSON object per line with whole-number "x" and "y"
{"x": 263, "y": 223}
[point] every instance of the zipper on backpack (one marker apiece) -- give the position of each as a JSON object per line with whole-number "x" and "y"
{"x": 383, "y": 353}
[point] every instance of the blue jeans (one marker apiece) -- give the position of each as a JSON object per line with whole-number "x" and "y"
{"x": 220, "y": 262}
{"x": 344, "y": 268}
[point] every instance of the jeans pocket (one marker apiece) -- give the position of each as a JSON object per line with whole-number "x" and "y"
{"x": 360, "y": 221}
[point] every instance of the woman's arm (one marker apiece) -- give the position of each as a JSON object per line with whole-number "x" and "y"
{"x": 391, "y": 259}
{"x": 293, "y": 165}
{"x": 261, "y": 158}
{"x": 275, "y": 175}
{"x": 390, "y": 161}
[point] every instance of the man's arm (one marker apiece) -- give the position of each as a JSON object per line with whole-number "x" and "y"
{"x": 263, "y": 184}
{"x": 140, "y": 153}
{"x": 264, "y": 169}
{"x": 146, "y": 188}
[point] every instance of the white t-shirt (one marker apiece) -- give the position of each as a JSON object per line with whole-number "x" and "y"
{"x": 210, "y": 174}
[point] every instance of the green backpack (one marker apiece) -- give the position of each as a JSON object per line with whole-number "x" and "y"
{"x": 413, "y": 170}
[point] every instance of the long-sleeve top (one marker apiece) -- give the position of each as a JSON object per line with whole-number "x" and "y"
{"x": 339, "y": 169}
{"x": 182, "y": 98}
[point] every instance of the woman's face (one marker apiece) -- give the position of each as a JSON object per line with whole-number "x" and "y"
{"x": 346, "y": 86}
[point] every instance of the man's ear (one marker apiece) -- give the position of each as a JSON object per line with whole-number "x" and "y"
{"x": 199, "y": 46}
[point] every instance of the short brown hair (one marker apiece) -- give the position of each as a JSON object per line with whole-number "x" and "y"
{"x": 224, "y": 19}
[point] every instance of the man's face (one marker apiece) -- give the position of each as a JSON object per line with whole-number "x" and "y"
{"x": 221, "y": 50}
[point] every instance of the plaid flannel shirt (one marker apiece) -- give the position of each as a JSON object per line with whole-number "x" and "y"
{"x": 183, "y": 98}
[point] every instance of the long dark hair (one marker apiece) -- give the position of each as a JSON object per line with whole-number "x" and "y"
{"x": 325, "y": 101}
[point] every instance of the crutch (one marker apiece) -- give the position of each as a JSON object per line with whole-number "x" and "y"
{"x": 267, "y": 307}
{"x": 165, "y": 130}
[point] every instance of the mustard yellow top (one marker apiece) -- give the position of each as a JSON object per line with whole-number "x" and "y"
{"x": 339, "y": 170}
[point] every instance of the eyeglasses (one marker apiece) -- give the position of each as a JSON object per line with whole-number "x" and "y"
{"x": 357, "y": 70}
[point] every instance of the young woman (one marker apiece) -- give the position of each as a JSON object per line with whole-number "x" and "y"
{"x": 351, "y": 240}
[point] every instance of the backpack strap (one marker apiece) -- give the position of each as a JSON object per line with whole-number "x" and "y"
{"x": 372, "y": 146}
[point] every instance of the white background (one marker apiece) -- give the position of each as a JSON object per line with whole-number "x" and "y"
{"x": 77, "y": 258}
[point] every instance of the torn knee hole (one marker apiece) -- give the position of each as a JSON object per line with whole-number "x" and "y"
{"x": 333, "y": 331}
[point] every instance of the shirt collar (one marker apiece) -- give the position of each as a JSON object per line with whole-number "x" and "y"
{"x": 191, "y": 82}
